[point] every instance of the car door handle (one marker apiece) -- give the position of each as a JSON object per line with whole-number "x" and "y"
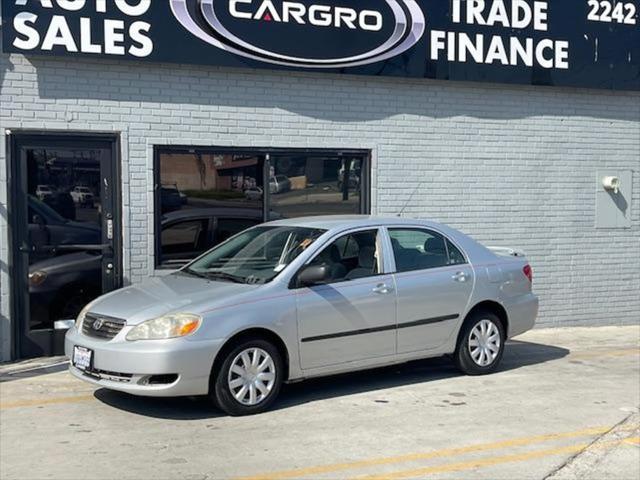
{"x": 459, "y": 277}
{"x": 382, "y": 288}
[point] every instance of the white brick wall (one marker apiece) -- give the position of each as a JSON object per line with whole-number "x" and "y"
{"x": 509, "y": 165}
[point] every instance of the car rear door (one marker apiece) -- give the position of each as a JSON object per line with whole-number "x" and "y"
{"x": 351, "y": 317}
{"x": 434, "y": 282}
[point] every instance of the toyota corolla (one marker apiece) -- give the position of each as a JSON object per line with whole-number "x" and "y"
{"x": 295, "y": 299}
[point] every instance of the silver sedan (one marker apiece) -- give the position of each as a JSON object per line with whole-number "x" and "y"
{"x": 302, "y": 298}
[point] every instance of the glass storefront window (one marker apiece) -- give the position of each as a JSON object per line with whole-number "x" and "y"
{"x": 204, "y": 196}
{"x": 309, "y": 185}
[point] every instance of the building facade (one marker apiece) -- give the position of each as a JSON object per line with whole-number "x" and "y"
{"x": 129, "y": 153}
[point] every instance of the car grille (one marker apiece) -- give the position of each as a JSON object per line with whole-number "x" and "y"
{"x": 108, "y": 327}
{"x": 106, "y": 375}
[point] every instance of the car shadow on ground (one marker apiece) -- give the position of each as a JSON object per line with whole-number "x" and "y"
{"x": 517, "y": 355}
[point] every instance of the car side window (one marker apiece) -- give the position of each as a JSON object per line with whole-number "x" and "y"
{"x": 351, "y": 256}
{"x": 455, "y": 255}
{"x": 182, "y": 241}
{"x": 417, "y": 249}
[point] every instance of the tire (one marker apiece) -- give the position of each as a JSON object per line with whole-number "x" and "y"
{"x": 474, "y": 360}
{"x": 227, "y": 385}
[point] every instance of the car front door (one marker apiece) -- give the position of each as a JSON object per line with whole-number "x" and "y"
{"x": 433, "y": 281}
{"x": 352, "y": 316}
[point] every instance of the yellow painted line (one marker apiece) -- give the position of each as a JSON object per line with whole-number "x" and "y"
{"x": 608, "y": 353}
{"x": 632, "y": 441}
{"x": 321, "y": 469}
{"x": 486, "y": 462}
{"x": 45, "y": 401}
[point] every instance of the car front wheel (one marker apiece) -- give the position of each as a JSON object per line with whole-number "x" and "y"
{"x": 481, "y": 344}
{"x": 249, "y": 378}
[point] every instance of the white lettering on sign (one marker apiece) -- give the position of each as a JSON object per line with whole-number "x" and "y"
{"x": 86, "y": 45}
{"x": 23, "y": 23}
{"x": 495, "y": 49}
{"x": 59, "y": 34}
{"x": 113, "y": 37}
{"x": 520, "y": 13}
{"x": 317, "y": 15}
{"x": 139, "y": 7}
{"x": 512, "y": 51}
{"x": 605, "y": 11}
{"x": 43, "y": 3}
{"x": 139, "y": 34}
{"x": 71, "y": 5}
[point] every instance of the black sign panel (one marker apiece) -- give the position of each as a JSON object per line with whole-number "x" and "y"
{"x": 581, "y": 43}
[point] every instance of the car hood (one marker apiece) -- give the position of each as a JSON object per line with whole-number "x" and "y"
{"x": 171, "y": 293}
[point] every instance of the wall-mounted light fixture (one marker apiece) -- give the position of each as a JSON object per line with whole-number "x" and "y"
{"x": 611, "y": 183}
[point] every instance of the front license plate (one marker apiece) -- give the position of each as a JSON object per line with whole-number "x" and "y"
{"x": 82, "y": 357}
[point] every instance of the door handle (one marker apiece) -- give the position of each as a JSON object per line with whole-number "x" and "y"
{"x": 459, "y": 277}
{"x": 382, "y": 288}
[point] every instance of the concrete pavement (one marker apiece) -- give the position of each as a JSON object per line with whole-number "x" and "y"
{"x": 563, "y": 406}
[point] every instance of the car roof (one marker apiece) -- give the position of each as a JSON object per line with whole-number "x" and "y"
{"x": 340, "y": 222}
{"x": 190, "y": 213}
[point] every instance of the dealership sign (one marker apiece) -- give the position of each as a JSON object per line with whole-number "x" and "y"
{"x": 583, "y": 43}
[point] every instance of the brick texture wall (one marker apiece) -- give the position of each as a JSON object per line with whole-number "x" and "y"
{"x": 510, "y": 165}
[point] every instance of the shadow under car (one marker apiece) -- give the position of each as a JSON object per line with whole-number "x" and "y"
{"x": 518, "y": 354}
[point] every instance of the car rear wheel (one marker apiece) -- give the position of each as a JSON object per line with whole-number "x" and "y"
{"x": 249, "y": 378}
{"x": 481, "y": 344}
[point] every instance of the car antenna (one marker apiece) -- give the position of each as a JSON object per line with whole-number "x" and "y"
{"x": 404, "y": 207}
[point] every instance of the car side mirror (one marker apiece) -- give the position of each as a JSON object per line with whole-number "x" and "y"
{"x": 313, "y": 275}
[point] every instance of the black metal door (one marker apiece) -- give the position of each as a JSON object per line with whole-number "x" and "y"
{"x": 66, "y": 239}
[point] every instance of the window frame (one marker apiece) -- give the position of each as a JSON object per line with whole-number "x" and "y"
{"x": 428, "y": 230}
{"x": 364, "y": 155}
{"x": 381, "y": 247}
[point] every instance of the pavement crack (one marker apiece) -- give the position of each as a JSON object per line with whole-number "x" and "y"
{"x": 573, "y": 458}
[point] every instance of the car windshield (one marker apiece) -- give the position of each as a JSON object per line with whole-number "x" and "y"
{"x": 254, "y": 256}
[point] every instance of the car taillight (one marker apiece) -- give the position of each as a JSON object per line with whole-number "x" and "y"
{"x": 528, "y": 272}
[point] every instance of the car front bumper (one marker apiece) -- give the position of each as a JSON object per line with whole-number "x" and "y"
{"x": 156, "y": 368}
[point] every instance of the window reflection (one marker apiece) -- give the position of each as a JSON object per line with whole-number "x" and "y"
{"x": 210, "y": 180}
{"x": 224, "y": 193}
{"x": 311, "y": 185}
{"x": 205, "y": 198}
{"x": 64, "y": 225}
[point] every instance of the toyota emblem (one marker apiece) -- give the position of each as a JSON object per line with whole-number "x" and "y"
{"x": 97, "y": 325}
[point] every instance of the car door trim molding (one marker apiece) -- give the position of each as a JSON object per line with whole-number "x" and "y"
{"x": 385, "y": 328}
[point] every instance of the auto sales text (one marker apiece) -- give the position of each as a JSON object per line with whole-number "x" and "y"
{"x": 83, "y": 34}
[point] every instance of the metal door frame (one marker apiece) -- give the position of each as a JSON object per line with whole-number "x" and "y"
{"x": 16, "y": 179}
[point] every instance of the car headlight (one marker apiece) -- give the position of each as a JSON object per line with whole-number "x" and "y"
{"x": 168, "y": 326}
{"x": 82, "y": 314}
{"x": 37, "y": 278}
